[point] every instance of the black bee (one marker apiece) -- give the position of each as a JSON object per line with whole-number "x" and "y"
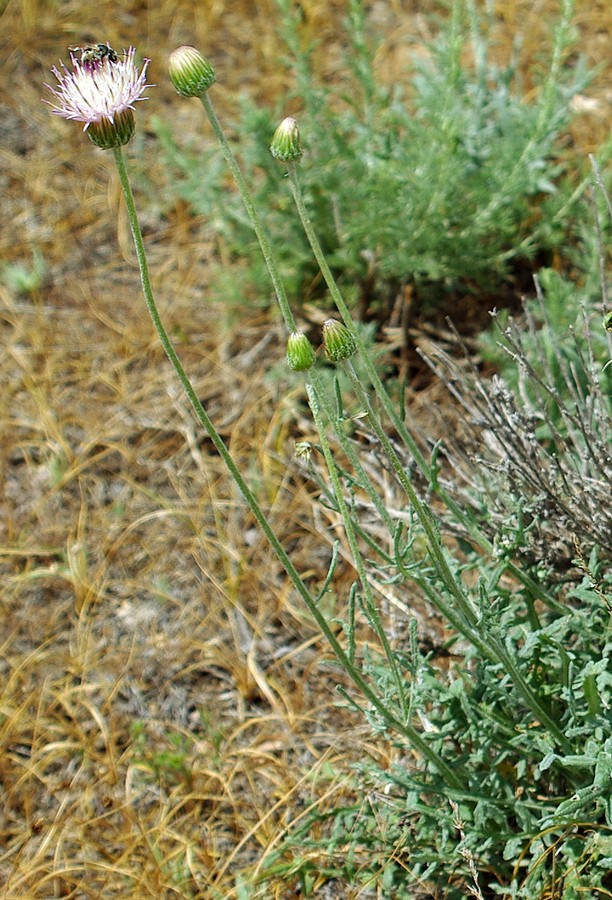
{"x": 96, "y": 53}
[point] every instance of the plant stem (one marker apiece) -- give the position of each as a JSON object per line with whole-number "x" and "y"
{"x": 349, "y": 530}
{"x": 424, "y": 515}
{"x": 264, "y": 243}
{"x": 362, "y": 479}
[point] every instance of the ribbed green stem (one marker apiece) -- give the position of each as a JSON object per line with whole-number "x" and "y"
{"x": 423, "y": 514}
{"x": 264, "y": 243}
{"x": 348, "y": 447}
{"x": 351, "y": 537}
{"x": 402, "y": 728}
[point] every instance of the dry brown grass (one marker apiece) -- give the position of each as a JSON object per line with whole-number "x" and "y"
{"x": 166, "y": 707}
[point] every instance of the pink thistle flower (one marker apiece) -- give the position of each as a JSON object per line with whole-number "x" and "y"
{"x": 100, "y": 92}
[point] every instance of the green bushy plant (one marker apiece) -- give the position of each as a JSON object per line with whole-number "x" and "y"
{"x": 532, "y": 456}
{"x": 556, "y": 339}
{"x": 532, "y": 820}
{"x": 445, "y": 180}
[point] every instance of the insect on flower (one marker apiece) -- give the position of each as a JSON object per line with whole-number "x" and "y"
{"x": 96, "y": 53}
{"x": 100, "y": 90}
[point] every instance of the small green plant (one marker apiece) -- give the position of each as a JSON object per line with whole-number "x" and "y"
{"x": 166, "y": 764}
{"x": 24, "y": 279}
{"x": 525, "y": 828}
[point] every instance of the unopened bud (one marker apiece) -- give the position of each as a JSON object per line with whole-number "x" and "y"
{"x": 300, "y": 352}
{"x": 286, "y": 141}
{"x": 190, "y": 72}
{"x": 338, "y": 341}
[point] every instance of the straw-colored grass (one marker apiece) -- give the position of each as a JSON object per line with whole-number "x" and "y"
{"x": 167, "y": 709}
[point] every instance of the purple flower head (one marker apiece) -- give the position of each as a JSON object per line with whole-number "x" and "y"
{"x": 99, "y": 87}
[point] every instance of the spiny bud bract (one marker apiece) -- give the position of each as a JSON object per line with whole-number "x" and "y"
{"x": 286, "y": 141}
{"x": 106, "y": 135}
{"x": 190, "y": 72}
{"x": 338, "y": 341}
{"x": 300, "y": 352}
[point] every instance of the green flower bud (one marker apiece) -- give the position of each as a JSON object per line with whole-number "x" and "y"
{"x": 107, "y": 135}
{"x": 300, "y": 352}
{"x": 190, "y": 72}
{"x": 338, "y": 341}
{"x": 286, "y": 141}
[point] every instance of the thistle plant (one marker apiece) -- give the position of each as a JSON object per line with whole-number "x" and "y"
{"x": 104, "y": 110}
{"x": 523, "y": 717}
